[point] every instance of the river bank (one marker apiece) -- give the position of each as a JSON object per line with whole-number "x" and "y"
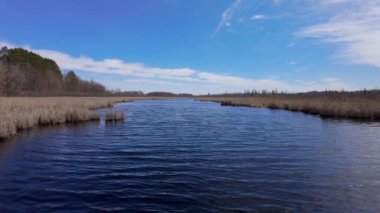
{"x": 21, "y": 113}
{"x": 358, "y": 108}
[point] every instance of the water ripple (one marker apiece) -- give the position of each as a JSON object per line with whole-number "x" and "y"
{"x": 189, "y": 156}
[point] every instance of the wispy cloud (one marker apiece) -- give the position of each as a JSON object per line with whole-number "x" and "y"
{"x": 258, "y": 17}
{"x": 138, "y": 76}
{"x": 354, "y": 27}
{"x": 114, "y": 66}
{"x": 227, "y": 17}
{"x": 293, "y": 62}
{"x": 332, "y": 2}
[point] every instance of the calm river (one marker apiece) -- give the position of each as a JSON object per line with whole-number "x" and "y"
{"x": 185, "y": 155}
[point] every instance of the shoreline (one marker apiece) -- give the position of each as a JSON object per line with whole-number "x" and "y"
{"x": 368, "y": 110}
{"x": 22, "y": 113}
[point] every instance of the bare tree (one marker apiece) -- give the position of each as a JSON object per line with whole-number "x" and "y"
{"x": 15, "y": 81}
{"x": 71, "y": 82}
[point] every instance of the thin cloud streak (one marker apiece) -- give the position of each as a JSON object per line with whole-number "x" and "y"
{"x": 257, "y": 17}
{"x": 227, "y": 17}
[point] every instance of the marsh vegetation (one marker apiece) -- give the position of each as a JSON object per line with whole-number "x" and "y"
{"x": 353, "y": 105}
{"x": 114, "y": 116}
{"x": 24, "y": 113}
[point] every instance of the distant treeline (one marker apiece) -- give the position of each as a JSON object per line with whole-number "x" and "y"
{"x": 24, "y": 73}
{"x": 366, "y": 94}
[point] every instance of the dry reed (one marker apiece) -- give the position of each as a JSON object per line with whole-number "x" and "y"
{"x": 114, "y": 116}
{"x": 355, "y": 107}
{"x": 25, "y": 113}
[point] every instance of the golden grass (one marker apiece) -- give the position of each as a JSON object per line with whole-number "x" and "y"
{"x": 333, "y": 107}
{"x": 24, "y": 113}
{"x": 114, "y": 116}
{"x": 20, "y": 113}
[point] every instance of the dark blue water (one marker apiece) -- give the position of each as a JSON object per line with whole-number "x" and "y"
{"x": 184, "y": 155}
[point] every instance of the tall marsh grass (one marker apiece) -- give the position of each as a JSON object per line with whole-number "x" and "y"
{"x": 24, "y": 113}
{"x": 359, "y": 105}
{"x": 114, "y": 116}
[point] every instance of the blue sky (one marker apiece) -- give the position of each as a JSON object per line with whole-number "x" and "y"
{"x": 202, "y": 46}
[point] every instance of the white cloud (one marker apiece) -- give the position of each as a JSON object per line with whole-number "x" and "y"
{"x": 227, "y": 17}
{"x": 242, "y": 82}
{"x": 142, "y": 77}
{"x": 258, "y": 17}
{"x": 114, "y": 66}
{"x": 354, "y": 27}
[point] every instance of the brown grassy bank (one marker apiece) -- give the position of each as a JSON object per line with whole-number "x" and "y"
{"x": 332, "y": 105}
{"x": 114, "y": 116}
{"x": 24, "y": 113}
{"x": 20, "y": 113}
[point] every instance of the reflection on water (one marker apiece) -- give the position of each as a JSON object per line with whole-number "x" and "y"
{"x": 195, "y": 156}
{"x": 7, "y": 147}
